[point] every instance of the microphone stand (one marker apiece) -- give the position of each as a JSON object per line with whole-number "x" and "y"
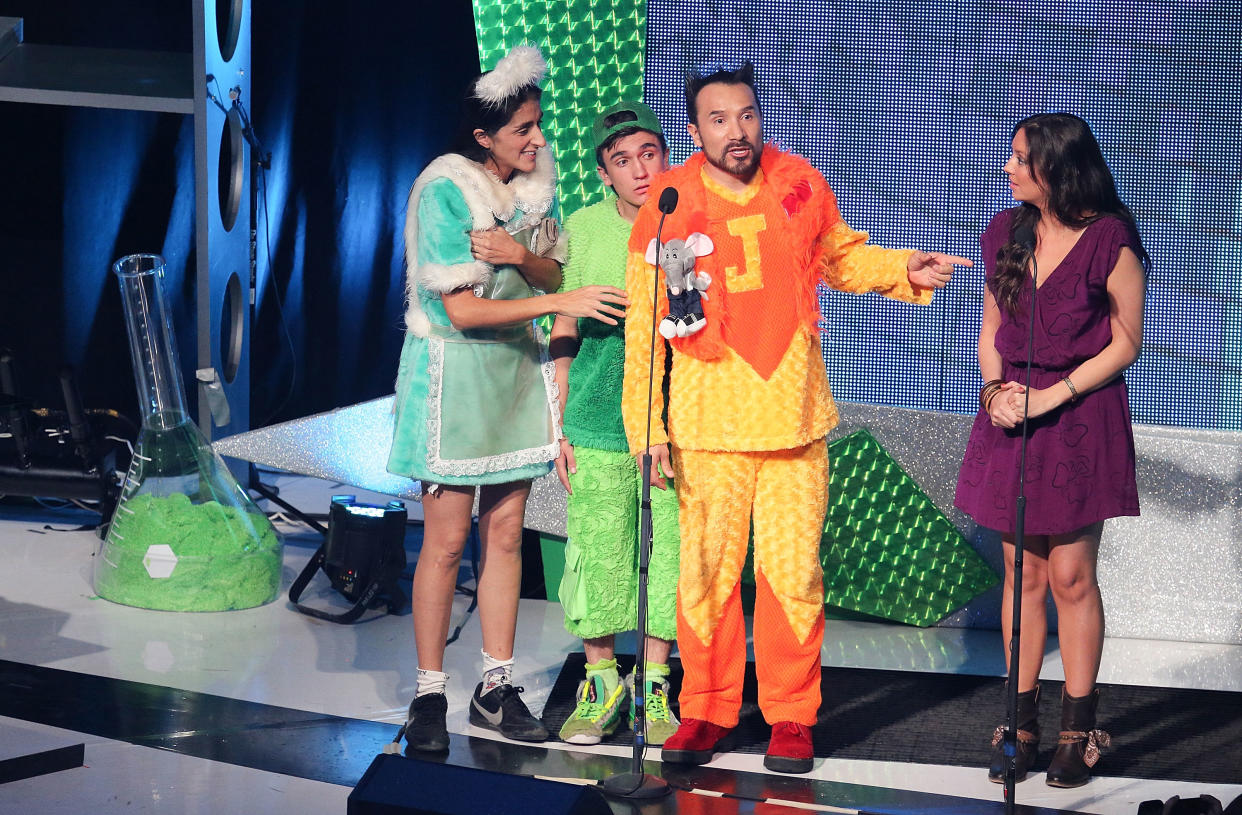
{"x": 637, "y": 784}
{"x": 1019, "y": 535}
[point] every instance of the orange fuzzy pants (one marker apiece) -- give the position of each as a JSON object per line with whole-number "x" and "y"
{"x": 784, "y": 493}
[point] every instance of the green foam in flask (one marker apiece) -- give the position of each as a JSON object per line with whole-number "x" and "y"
{"x": 185, "y": 535}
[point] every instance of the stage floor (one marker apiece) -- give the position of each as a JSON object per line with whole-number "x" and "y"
{"x": 288, "y": 674}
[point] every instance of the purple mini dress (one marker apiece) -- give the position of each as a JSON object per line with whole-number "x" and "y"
{"x": 1080, "y": 457}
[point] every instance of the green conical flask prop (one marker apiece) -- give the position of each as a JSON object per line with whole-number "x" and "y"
{"x": 185, "y": 535}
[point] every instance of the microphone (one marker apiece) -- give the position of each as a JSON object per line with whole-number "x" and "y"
{"x": 668, "y": 201}
{"x": 1024, "y": 236}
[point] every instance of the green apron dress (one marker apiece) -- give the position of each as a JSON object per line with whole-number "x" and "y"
{"x": 474, "y": 406}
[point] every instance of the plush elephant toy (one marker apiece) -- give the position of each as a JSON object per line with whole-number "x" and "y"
{"x": 686, "y": 287}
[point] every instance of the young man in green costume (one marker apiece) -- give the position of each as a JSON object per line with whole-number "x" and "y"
{"x": 600, "y": 588}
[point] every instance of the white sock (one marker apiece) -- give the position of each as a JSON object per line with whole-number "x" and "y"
{"x": 430, "y": 682}
{"x": 496, "y": 672}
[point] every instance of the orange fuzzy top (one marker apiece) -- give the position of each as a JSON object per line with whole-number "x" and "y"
{"x": 753, "y": 378}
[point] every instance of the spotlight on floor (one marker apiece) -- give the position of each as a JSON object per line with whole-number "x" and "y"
{"x": 363, "y": 557}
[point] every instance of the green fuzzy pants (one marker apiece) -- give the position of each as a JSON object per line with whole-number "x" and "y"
{"x": 599, "y": 591}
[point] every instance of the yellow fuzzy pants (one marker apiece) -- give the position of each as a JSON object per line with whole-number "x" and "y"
{"x": 784, "y": 494}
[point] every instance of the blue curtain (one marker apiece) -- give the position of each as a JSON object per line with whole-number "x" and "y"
{"x": 351, "y": 103}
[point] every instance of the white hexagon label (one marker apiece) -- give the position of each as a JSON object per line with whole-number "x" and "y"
{"x": 160, "y": 561}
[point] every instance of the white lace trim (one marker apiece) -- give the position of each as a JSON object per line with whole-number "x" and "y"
{"x": 528, "y": 220}
{"x": 535, "y": 191}
{"x": 483, "y": 464}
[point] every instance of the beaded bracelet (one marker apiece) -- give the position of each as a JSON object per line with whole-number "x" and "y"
{"x": 1073, "y": 391}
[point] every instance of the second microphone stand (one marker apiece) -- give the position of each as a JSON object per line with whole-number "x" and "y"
{"x": 1026, "y": 239}
{"x": 637, "y": 784}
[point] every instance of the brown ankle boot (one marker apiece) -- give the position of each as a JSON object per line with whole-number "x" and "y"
{"x": 1028, "y": 738}
{"x": 1080, "y": 744}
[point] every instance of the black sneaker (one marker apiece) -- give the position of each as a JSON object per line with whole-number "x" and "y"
{"x": 425, "y": 730}
{"x": 502, "y": 710}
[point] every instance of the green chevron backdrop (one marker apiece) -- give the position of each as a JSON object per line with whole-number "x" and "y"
{"x": 595, "y": 52}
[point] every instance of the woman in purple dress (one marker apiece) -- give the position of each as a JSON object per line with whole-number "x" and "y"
{"x": 1088, "y": 270}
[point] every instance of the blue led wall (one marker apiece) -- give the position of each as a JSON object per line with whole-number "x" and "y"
{"x": 907, "y": 111}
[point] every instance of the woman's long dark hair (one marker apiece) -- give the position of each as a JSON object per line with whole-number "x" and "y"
{"x": 479, "y": 115}
{"x": 1065, "y": 159}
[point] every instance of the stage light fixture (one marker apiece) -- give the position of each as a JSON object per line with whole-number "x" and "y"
{"x": 363, "y": 555}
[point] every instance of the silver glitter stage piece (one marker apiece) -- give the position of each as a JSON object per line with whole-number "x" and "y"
{"x": 349, "y": 445}
{"x": 1173, "y": 573}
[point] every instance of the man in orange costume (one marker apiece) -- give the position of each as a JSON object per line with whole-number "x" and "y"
{"x": 749, "y": 409}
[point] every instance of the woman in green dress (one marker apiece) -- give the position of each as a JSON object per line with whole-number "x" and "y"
{"x": 475, "y": 389}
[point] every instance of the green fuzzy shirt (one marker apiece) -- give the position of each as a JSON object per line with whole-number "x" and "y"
{"x": 598, "y": 238}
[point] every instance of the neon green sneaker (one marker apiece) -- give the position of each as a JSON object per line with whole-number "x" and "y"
{"x": 661, "y": 721}
{"x": 596, "y": 714}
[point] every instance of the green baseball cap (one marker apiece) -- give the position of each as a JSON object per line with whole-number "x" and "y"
{"x": 615, "y": 119}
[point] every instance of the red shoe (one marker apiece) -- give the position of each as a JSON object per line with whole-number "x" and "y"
{"x": 791, "y": 749}
{"x": 694, "y": 742}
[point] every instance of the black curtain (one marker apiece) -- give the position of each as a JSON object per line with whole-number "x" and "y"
{"x": 352, "y": 101}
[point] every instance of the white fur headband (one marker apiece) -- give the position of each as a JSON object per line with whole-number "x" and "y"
{"x": 522, "y": 66}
